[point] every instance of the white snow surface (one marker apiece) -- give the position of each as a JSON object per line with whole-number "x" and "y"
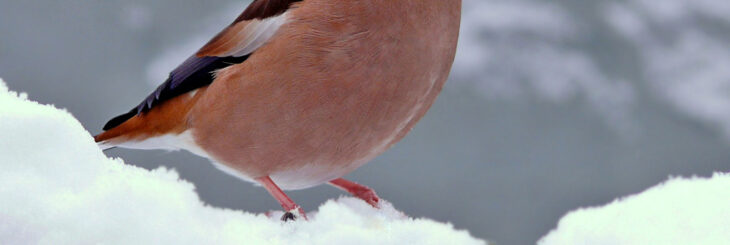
{"x": 680, "y": 211}
{"x": 57, "y": 187}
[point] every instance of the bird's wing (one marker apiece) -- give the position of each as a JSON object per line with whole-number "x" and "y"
{"x": 253, "y": 28}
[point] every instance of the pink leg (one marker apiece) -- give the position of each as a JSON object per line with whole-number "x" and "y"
{"x": 286, "y": 202}
{"x": 360, "y": 191}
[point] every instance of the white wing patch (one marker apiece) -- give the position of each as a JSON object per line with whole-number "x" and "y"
{"x": 261, "y": 32}
{"x": 251, "y": 35}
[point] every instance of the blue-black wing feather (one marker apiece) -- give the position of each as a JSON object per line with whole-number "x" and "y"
{"x": 194, "y": 73}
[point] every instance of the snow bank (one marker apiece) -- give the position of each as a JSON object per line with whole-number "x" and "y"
{"x": 57, "y": 187}
{"x": 680, "y": 211}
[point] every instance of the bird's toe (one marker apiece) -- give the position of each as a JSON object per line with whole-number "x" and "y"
{"x": 369, "y": 196}
{"x": 288, "y": 216}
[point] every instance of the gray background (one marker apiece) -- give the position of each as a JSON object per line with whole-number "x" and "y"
{"x": 551, "y": 106}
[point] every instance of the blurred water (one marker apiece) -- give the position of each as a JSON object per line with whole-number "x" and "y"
{"x": 551, "y": 106}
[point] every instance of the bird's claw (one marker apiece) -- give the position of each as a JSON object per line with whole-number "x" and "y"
{"x": 288, "y": 216}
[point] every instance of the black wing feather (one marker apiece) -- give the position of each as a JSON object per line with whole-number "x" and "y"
{"x": 194, "y": 73}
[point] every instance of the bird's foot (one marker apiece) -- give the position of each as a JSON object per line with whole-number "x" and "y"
{"x": 288, "y": 216}
{"x": 360, "y": 191}
{"x": 292, "y": 209}
{"x": 294, "y": 214}
{"x": 369, "y": 196}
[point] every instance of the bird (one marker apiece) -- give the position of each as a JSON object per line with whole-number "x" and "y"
{"x": 298, "y": 93}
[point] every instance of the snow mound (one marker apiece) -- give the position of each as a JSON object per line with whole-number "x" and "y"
{"x": 680, "y": 211}
{"x": 57, "y": 187}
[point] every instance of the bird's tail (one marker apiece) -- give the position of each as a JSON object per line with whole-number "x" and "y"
{"x": 112, "y": 137}
{"x": 104, "y": 142}
{"x": 168, "y": 118}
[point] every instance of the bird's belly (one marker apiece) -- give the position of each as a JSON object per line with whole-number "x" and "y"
{"x": 302, "y": 177}
{"x": 293, "y": 168}
{"x": 315, "y": 146}
{"x": 296, "y": 176}
{"x": 325, "y": 169}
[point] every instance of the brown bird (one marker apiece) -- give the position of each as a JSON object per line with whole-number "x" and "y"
{"x": 297, "y": 93}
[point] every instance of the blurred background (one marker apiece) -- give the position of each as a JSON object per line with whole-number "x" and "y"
{"x": 552, "y": 105}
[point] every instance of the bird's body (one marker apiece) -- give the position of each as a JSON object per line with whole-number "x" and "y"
{"x": 335, "y": 84}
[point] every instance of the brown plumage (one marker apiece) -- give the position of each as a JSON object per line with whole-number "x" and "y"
{"x": 327, "y": 86}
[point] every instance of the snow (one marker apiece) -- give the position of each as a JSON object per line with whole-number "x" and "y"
{"x": 57, "y": 187}
{"x": 680, "y": 211}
